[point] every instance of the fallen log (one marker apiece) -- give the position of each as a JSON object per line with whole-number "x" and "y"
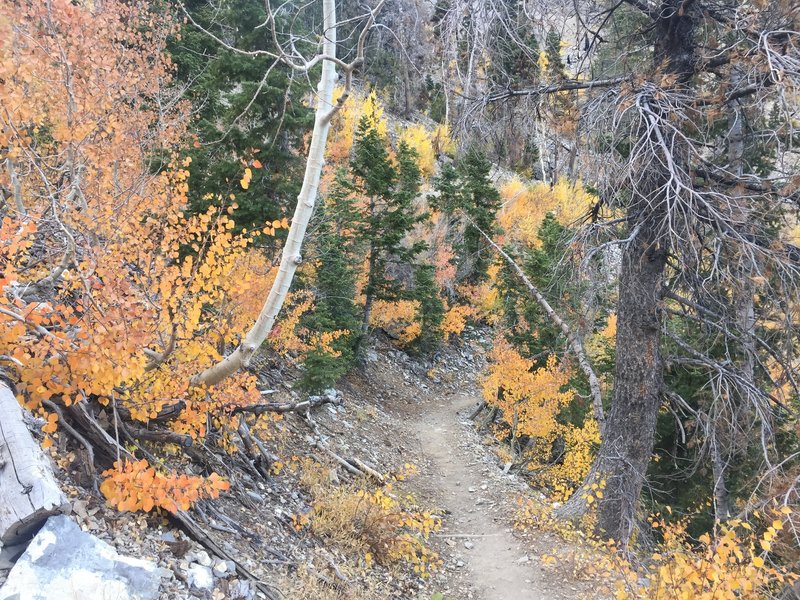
{"x": 287, "y": 407}
{"x": 477, "y": 410}
{"x": 162, "y": 436}
{"x": 29, "y": 493}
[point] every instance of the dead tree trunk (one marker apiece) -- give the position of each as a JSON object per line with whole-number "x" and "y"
{"x": 573, "y": 338}
{"x": 29, "y": 493}
{"x": 629, "y": 432}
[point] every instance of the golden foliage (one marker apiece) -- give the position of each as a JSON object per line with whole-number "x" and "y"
{"x": 526, "y": 205}
{"x": 565, "y": 475}
{"x": 399, "y": 319}
{"x": 455, "y": 320}
{"x": 420, "y": 139}
{"x": 284, "y": 338}
{"x": 484, "y": 298}
{"x": 344, "y": 127}
{"x": 374, "y": 524}
{"x": 146, "y": 296}
{"x": 443, "y": 143}
{"x": 732, "y": 564}
{"x": 529, "y": 399}
{"x": 135, "y": 485}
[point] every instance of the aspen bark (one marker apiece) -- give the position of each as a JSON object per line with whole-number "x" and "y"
{"x": 306, "y": 200}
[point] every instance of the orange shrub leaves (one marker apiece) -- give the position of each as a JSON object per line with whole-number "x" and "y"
{"x": 529, "y": 399}
{"x": 134, "y": 485}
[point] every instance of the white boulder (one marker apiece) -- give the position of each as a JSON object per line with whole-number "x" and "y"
{"x": 64, "y": 562}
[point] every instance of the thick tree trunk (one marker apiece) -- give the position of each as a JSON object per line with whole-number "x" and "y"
{"x": 29, "y": 493}
{"x": 629, "y": 435}
{"x": 629, "y": 432}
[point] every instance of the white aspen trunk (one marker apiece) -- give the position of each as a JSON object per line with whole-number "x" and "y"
{"x": 291, "y": 257}
{"x": 16, "y": 187}
{"x": 29, "y": 493}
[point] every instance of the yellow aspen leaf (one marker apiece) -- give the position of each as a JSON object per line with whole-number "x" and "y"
{"x": 245, "y": 181}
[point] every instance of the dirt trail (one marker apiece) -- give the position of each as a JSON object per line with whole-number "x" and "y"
{"x": 478, "y": 502}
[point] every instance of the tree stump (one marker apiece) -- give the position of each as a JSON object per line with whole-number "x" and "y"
{"x": 29, "y": 493}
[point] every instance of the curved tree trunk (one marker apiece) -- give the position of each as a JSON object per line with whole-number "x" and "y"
{"x": 306, "y": 200}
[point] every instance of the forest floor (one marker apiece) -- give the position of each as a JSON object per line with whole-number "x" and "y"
{"x": 485, "y": 558}
{"x": 395, "y": 410}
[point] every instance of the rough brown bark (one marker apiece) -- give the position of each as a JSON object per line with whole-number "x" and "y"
{"x": 629, "y": 432}
{"x": 638, "y": 385}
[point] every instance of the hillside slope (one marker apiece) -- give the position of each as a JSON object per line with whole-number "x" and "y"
{"x": 395, "y": 412}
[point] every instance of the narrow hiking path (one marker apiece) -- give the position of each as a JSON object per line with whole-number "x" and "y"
{"x": 497, "y": 565}
{"x": 461, "y": 478}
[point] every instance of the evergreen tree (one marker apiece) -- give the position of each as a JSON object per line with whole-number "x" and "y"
{"x": 389, "y": 212}
{"x": 434, "y": 96}
{"x": 514, "y": 59}
{"x": 468, "y": 187}
{"x": 447, "y": 185}
{"x": 539, "y": 336}
{"x": 481, "y": 201}
{"x": 249, "y": 111}
{"x": 431, "y": 308}
{"x": 555, "y": 65}
{"x": 335, "y": 309}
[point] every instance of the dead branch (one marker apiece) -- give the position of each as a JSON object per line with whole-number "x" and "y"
{"x": 287, "y": 407}
{"x": 575, "y": 343}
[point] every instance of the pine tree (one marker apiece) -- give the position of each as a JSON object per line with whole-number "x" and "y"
{"x": 431, "y": 308}
{"x": 447, "y": 186}
{"x": 537, "y": 339}
{"x": 250, "y": 113}
{"x": 468, "y": 187}
{"x": 336, "y": 251}
{"x": 555, "y": 65}
{"x": 481, "y": 201}
{"x": 389, "y": 191}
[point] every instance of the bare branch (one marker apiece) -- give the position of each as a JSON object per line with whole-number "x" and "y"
{"x": 575, "y": 343}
